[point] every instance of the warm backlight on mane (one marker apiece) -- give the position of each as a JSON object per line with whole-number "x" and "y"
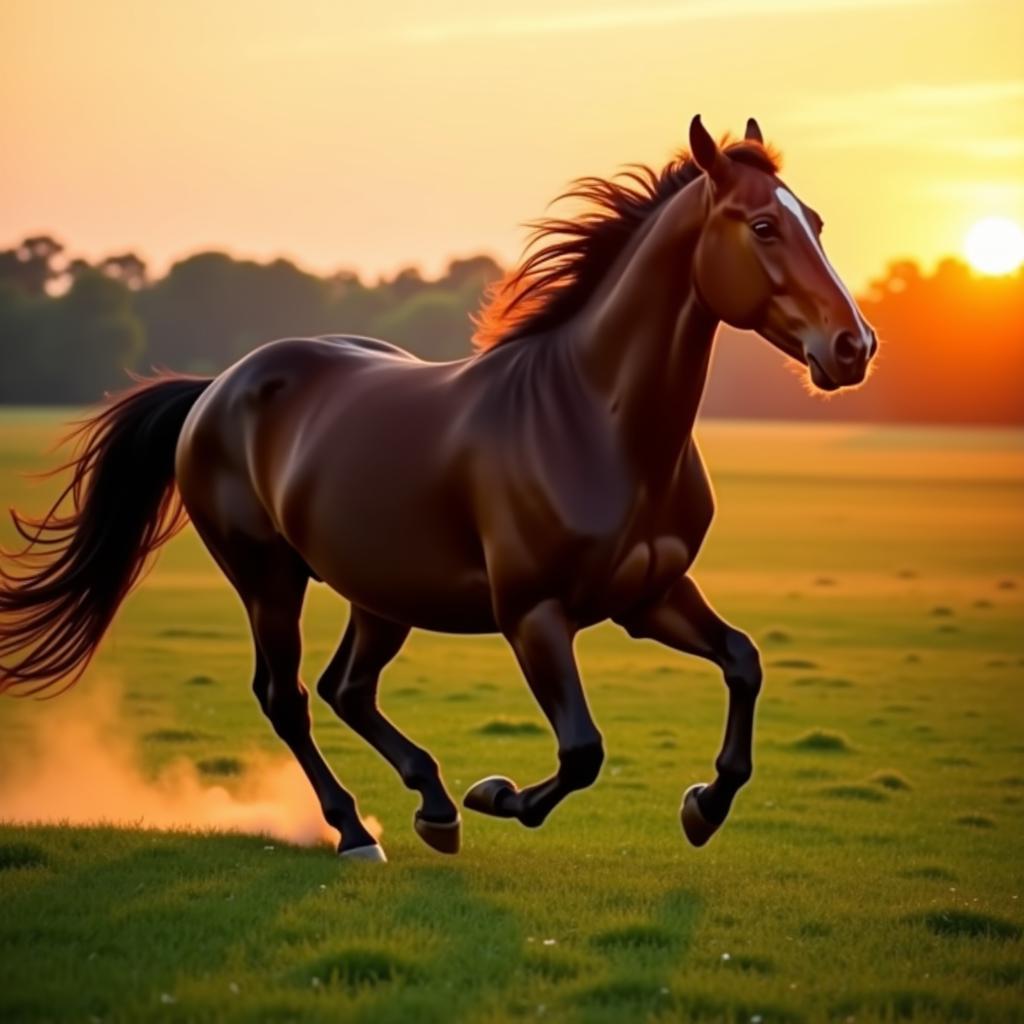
{"x": 569, "y": 257}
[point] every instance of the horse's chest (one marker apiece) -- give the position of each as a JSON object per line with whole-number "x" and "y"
{"x": 649, "y": 565}
{"x": 646, "y": 559}
{"x": 644, "y": 569}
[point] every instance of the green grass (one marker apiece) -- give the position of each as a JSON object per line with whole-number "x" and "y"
{"x": 871, "y": 870}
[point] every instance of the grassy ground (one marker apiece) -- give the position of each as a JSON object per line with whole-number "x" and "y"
{"x": 871, "y": 871}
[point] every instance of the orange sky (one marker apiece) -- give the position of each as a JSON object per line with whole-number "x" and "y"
{"x": 373, "y": 135}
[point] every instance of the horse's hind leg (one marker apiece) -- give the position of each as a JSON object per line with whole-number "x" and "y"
{"x": 349, "y": 684}
{"x": 271, "y": 579}
{"x": 686, "y": 622}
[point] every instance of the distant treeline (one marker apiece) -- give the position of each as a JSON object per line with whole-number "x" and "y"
{"x": 69, "y": 330}
{"x": 953, "y": 343}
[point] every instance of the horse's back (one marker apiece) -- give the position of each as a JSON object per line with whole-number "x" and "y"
{"x": 262, "y": 380}
{"x": 294, "y": 360}
{"x": 360, "y": 343}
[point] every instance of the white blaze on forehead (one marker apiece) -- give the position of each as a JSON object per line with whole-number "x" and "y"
{"x": 791, "y": 203}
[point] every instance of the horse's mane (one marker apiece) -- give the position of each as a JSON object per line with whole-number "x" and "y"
{"x": 570, "y": 257}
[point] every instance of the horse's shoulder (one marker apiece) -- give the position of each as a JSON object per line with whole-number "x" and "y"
{"x": 546, "y": 451}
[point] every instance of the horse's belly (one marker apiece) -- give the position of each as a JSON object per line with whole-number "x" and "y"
{"x": 404, "y": 558}
{"x": 456, "y": 599}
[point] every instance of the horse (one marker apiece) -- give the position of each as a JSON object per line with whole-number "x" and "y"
{"x": 547, "y": 482}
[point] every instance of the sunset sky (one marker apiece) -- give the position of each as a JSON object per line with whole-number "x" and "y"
{"x": 374, "y": 135}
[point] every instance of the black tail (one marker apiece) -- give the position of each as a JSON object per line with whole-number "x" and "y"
{"x": 59, "y": 594}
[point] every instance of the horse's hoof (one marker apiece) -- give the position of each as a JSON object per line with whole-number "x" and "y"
{"x": 373, "y": 854}
{"x": 696, "y": 827}
{"x": 443, "y": 836}
{"x": 488, "y": 794}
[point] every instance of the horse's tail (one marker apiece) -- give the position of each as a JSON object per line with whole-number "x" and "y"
{"x": 59, "y": 593}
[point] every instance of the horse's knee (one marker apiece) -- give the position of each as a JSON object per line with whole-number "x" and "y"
{"x": 580, "y": 765}
{"x": 742, "y": 666}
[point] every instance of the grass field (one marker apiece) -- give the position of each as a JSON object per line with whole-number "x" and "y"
{"x": 871, "y": 871}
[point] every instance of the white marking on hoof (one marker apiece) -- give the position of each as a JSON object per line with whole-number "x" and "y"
{"x": 374, "y": 854}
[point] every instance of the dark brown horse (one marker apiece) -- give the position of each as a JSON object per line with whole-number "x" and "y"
{"x": 549, "y": 482}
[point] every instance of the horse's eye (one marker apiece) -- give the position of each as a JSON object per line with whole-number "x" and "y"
{"x": 764, "y": 229}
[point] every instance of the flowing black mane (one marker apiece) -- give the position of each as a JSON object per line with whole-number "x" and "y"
{"x": 555, "y": 280}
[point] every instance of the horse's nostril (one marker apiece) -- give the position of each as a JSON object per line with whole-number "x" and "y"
{"x": 848, "y": 348}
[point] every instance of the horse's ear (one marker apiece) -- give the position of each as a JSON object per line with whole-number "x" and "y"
{"x": 753, "y": 132}
{"x": 703, "y": 148}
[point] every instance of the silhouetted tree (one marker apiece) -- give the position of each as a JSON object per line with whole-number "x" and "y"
{"x": 126, "y": 268}
{"x": 76, "y": 267}
{"x": 210, "y": 309}
{"x": 30, "y": 265}
{"x": 434, "y": 324}
{"x": 476, "y": 272}
{"x": 70, "y": 348}
{"x": 23, "y": 355}
{"x": 405, "y": 284}
{"x": 97, "y": 335}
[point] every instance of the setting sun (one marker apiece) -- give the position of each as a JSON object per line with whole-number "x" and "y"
{"x": 995, "y": 245}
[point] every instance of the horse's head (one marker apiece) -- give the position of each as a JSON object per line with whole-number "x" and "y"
{"x": 760, "y": 266}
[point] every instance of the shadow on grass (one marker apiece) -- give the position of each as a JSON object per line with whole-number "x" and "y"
{"x": 120, "y": 918}
{"x": 469, "y": 945}
{"x": 642, "y": 956}
{"x": 134, "y": 925}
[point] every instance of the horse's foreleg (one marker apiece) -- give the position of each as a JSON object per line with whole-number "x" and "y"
{"x": 542, "y": 641}
{"x": 685, "y": 621}
{"x": 349, "y": 684}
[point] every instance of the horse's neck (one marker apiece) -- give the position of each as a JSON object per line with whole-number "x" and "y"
{"x": 645, "y": 342}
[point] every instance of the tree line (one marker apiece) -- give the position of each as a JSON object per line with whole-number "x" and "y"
{"x": 70, "y": 329}
{"x": 952, "y": 342}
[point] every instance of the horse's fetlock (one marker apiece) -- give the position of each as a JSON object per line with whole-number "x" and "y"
{"x": 340, "y": 813}
{"x": 420, "y": 771}
{"x": 735, "y": 773}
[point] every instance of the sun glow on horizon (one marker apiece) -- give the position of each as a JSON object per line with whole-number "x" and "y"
{"x": 995, "y": 245}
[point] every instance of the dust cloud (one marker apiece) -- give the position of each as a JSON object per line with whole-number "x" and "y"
{"x": 74, "y": 766}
